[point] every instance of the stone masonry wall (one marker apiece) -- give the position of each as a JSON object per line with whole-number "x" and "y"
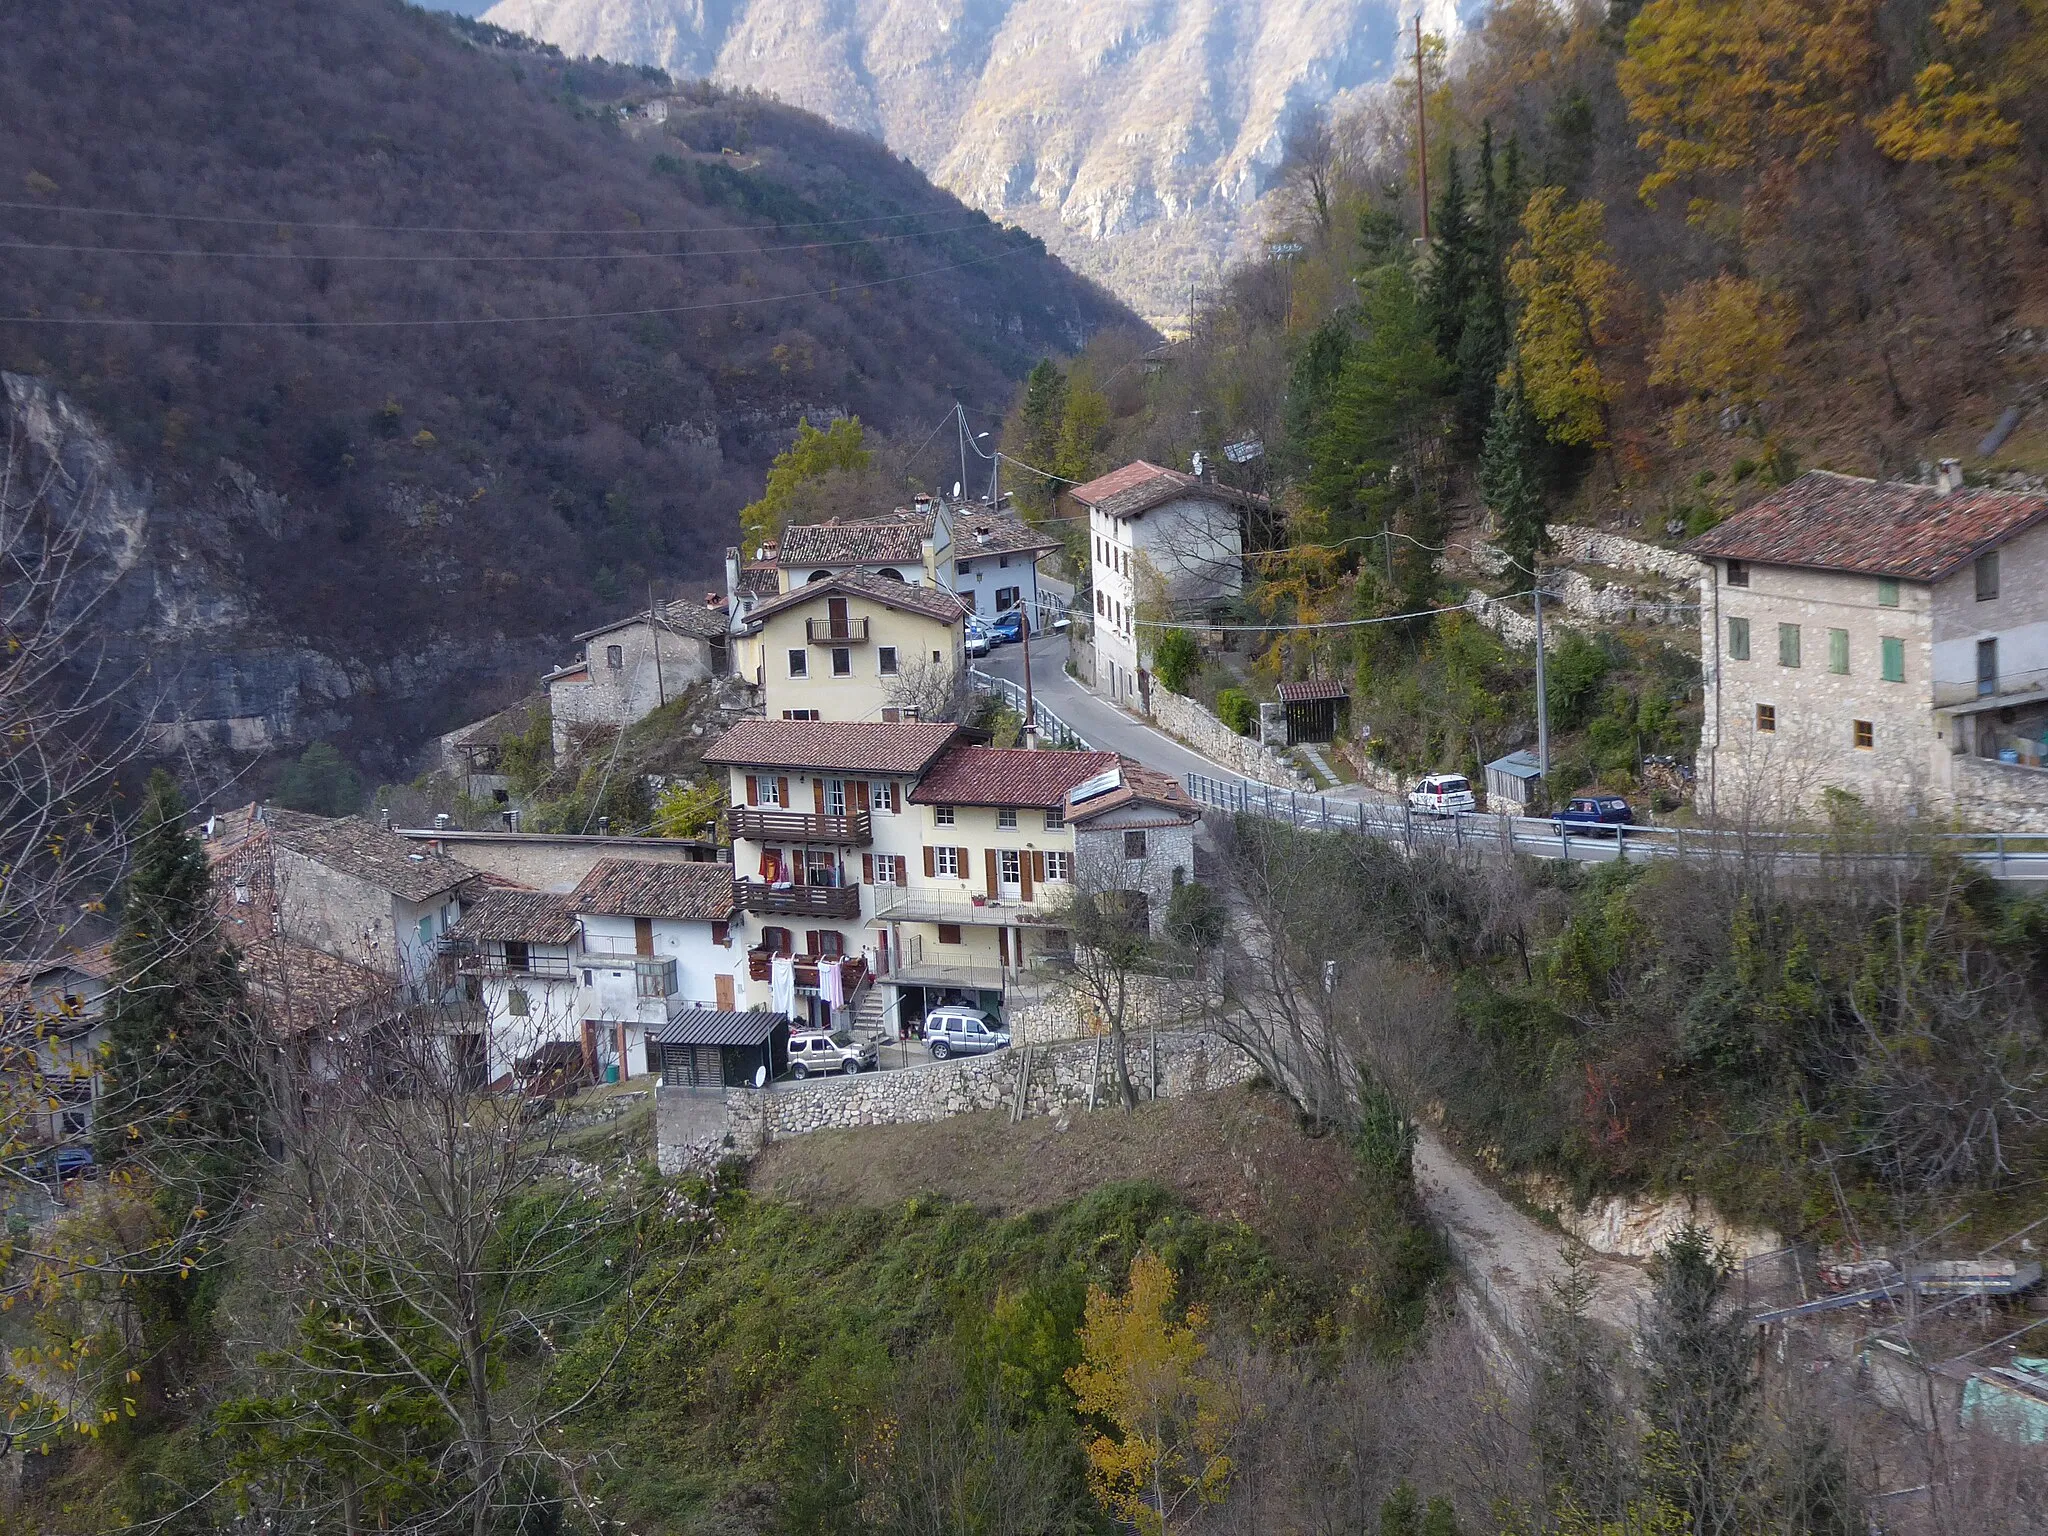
{"x": 1589, "y": 546}
{"x": 695, "y": 1129}
{"x": 1184, "y": 718}
{"x": 2002, "y": 796}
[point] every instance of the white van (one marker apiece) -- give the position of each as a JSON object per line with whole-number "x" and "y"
{"x": 1443, "y": 794}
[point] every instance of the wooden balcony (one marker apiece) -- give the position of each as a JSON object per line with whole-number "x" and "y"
{"x": 836, "y": 901}
{"x": 760, "y": 825}
{"x": 851, "y": 975}
{"x": 846, "y": 632}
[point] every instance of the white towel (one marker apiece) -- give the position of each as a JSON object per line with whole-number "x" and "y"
{"x": 830, "y": 983}
{"x": 782, "y": 985}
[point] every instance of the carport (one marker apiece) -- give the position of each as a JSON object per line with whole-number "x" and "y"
{"x": 1313, "y": 706}
{"x": 707, "y": 1048}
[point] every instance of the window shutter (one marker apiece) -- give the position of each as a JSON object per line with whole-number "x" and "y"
{"x": 812, "y": 942}
{"x": 782, "y": 791}
{"x": 1024, "y": 876}
{"x": 856, "y": 796}
{"x": 753, "y": 789}
{"x": 963, "y": 861}
{"x": 818, "y": 795}
{"x": 991, "y": 872}
{"x": 895, "y": 798}
{"x": 930, "y": 869}
{"x": 1038, "y": 867}
{"x": 867, "y": 869}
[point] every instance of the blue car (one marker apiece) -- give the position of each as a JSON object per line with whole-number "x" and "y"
{"x": 1007, "y": 628}
{"x": 1594, "y": 813}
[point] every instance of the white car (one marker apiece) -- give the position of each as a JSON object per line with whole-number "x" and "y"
{"x": 1443, "y": 794}
{"x": 977, "y": 639}
{"x": 814, "y": 1053}
{"x": 956, "y": 1030}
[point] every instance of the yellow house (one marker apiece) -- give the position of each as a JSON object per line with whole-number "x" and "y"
{"x": 854, "y": 647}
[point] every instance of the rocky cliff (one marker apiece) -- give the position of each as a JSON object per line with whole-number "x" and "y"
{"x": 1134, "y": 136}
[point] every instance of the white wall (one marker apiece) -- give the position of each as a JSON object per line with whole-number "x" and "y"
{"x": 978, "y": 578}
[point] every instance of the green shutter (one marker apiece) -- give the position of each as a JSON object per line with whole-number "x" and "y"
{"x": 1887, "y": 591}
{"x": 1738, "y": 639}
{"x": 1788, "y": 645}
{"x": 1894, "y": 659}
{"x": 1838, "y": 650}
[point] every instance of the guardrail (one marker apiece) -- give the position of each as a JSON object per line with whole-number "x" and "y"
{"x": 1051, "y": 728}
{"x": 2002, "y": 855}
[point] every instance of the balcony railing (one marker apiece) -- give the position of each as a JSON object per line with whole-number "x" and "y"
{"x": 916, "y": 904}
{"x": 854, "y": 830}
{"x": 852, "y": 973}
{"x": 825, "y": 632}
{"x": 797, "y": 900}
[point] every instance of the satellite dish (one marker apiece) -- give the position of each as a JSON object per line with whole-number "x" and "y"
{"x": 956, "y": 490}
{"x": 761, "y": 1077}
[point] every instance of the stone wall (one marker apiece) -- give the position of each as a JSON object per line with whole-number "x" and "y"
{"x": 2002, "y": 796}
{"x": 1589, "y": 546}
{"x": 696, "y": 1128}
{"x": 1182, "y": 717}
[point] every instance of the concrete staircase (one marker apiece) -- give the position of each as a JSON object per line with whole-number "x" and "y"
{"x": 870, "y": 1013}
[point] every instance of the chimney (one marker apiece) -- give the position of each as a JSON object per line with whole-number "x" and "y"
{"x": 384, "y": 815}
{"x": 440, "y": 821}
{"x": 1949, "y": 478}
{"x": 604, "y": 826}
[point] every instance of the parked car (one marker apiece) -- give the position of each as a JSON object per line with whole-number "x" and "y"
{"x": 977, "y": 640}
{"x": 64, "y": 1163}
{"x": 956, "y": 1030}
{"x": 1443, "y": 794}
{"x": 1590, "y": 813}
{"x": 815, "y": 1054}
{"x": 1007, "y": 628}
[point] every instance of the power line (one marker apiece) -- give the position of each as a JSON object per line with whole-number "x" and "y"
{"x": 610, "y": 314}
{"x": 383, "y": 256}
{"x": 1270, "y": 629}
{"x": 438, "y": 229}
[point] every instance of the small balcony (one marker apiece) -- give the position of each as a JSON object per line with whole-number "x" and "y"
{"x": 852, "y": 973}
{"x": 760, "y": 825}
{"x": 917, "y": 904}
{"x": 845, "y": 632}
{"x": 837, "y": 901}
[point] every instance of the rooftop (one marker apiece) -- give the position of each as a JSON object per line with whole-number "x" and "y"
{"x": 1312, "y": 689}
{"x": 1140, "y": 786}
{"x": 708, "y": 1026}
{"x": 997, "y": 533}
{"x": 684, "y": 616}
{"x": 528, "y": 917}
{"x": 1008, "y": 776}
{"x": 1829, "y": 522}
{"x": 905, "y": 747}
{"x": 894, "y": 540}
{"x": 929, "y": 601}
{"x": 371, "y": 853}
{"x": 643, "y": 888}
{"x": 1140, "y": 486}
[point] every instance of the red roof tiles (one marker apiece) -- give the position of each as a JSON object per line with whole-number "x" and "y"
{"x": 645, "y": 888}
{"x": 1140, "y": 486}
{"x": 910, "y": 598}
{"x": 1310, "y": 690}
{"x": 1008, "y": 776}
{"x": 1141, "y": 786}
{"x": 838, "y": 746}
{"x": 1829, "y": 522}
{"x": 882, "y": 541}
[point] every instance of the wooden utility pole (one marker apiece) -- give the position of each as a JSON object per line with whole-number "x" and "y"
{"x": 1421, "y": 124}
{"x": 654, "y": 633}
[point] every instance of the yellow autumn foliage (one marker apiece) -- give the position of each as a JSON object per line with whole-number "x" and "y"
{"x": 1723, "y": 342}
{"x": 1568, "y": 287}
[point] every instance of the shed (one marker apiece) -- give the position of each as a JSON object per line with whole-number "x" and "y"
{"x": 1514, "y": 784}
{"x": 1313, "y": 706}
{"x": 709, "y": 1048}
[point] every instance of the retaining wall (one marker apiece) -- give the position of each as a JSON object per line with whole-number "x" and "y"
{"x": 1180, "y": 716}
{"x": 695, "y": 1128}
{"x": 1589, "y": 546}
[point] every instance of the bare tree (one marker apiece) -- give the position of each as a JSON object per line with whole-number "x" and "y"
{"x": 931, "y": 690}
{"x": 1308, "y": 167}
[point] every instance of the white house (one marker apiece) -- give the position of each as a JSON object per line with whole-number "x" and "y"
{"x": 910, "y": 544}
{"x": 995, "y": 565}
{"x": 1169, "y": 542}
{"x": 1883, "y": 639}
{"x": 518, "y": 950}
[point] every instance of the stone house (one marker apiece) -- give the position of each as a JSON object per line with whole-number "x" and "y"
{"x": 53, "y": 1038}
{"x": 853, "y": 647}
{"x": 1136, "y": 836}
{"x": 1884, "y": 639}
{"x": 1157, "y": 537}
{"x": 634, "y": 665}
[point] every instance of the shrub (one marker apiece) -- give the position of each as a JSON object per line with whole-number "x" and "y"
{"x": 1235, "y": 709}
{"x": 320, "y": 782}
{"x": 1176, "y": 660}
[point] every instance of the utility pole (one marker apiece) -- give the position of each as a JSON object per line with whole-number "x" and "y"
{"x": 1542, "y": 692}
{"x": 654, "y": 629}
{"x": 1024, "y": 630}
{"x": 960, "y": 421}
{"x": 1421, "y": 124}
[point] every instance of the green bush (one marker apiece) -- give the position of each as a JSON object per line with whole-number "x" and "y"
{"x": 320, "y": 782}
{"x": 1176, "y": 660}
{"x": 1234, "y": 707}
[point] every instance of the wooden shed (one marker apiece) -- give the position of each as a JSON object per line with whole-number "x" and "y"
{"x": 707, "y": 1048}
{"x": 1313, "y": 707}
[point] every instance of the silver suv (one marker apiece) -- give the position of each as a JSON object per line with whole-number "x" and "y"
{"x": 961, "y": 1031}
{"x": 817, "y": 1054}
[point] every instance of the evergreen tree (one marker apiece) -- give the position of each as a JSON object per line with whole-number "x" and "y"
{"x": 1313, "y": 382}
{"x": 1577, "y": 1425}
{"x": 1484, "y": 340}
{"x": 1511, "y": 475}
{"x": 1454, "y": 259}
{"x": 1045, "y": 401}
{"x": 320, "y": 782}
{"x": 179, "y": 1092}
{"x": 1701, "y": 1396}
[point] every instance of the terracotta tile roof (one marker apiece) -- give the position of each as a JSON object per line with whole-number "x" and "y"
{"x": 906, "y": 596}
{"x": 760, "y": 580}
{"x": 1309, "y": 690}
{"x": 895, "y": 540}
{"x": 531, "y": 917}
{"x": 1830, "y": 522}
{"x": 1008, "y": 776}
{"x": 646, "y": 888}
{"x": 1141, "y": 786}
{"x": 997, "y": 533}
{"x": 1141, "y": 486}
{"x": 844, "y": 746}
{"x": 94, "y": 961}
{"x": 370, "y": 853}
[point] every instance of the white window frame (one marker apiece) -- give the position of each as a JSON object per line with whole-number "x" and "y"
{"x": 1009, "y": 864}
{"x": 942, "y": 816}
{"x": 1006, "y": 817}
{"x": 946, "y": 863}
{"x": 878, "y": 795}
{"x": 835, "y": 797}
{"x": 889, "y": 869}
{"x": 1059, "y": 865}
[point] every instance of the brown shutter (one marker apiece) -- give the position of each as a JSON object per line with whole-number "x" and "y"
{"x": 991, "y": 873}
{"x": 1024, "y": 876}
{"x": 753, "y": 789}
{"x": 930, "y": 869}
{"x": 811, "y": 941}
{"x": 867, "y": 869}
{"x": 895, "y": 798}
{"x": 782, "y": 791}
{"x": 818, "y": 795}
{"x": 856, "y": 796}
{"x": 1038, "y": 867}
{"x": 961, "y": 857}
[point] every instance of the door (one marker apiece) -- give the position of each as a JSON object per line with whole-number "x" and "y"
{"x": 1987, "y": 668}
{"x": 835, "y": 615}
{"x": 643, "y": 935}
{"x": 1010, "y": 883}
{"x": 723, "y": 999}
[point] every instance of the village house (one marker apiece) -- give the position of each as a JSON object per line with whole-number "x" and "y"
{"x": 555, "y": 861}
{"x": 633, "y": 666}
{"x": 1168, "y": 542}
{"x": 995, "y": 566}
{"x": 53, "y": 1039}
{"x": 911, "y": 544}
{"x": 1886, "y": 640}
{"x": 854, "y": 647}
{"x": 517, "y": 952}
{"x": 1136, "y": 836}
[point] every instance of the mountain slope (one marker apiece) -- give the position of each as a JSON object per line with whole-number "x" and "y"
{"x": 350, "y": 518}
{"x": 1133, "y": 135}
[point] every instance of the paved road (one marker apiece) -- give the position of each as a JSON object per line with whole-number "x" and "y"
{"x": 1105, "y": 727}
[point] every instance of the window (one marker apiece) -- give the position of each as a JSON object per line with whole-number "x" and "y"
{"x": 1738, "y": 639}
{"x": 1134, "y": 845}
{"x": 961, "y": 568}
{"x": 1987, "y": 668}
{"x": 516, "y": 1004}
{"x": 654, "y": 978}
{"x": 942, "y": 816}
{"x": 936, "y": 657}
{"x": 516, "y": 955}
{"x": 970, "y": 599}
{"x": 949, "y": 933}
{"x": 1055, "y": 819}
{"x": 888, "y": 869}
{"x": 771, "y": 789}
{"x": 799, "y": 714}
{"x": 886, "y": 656}
{"x": 799, "y": 664}
{"x": 1887, "y": 591}
{"x": 946, "y": 863}
{"x": 1008, "y": 598}
{"x": 1101, "y": 610}
{"x": 1894, "y": 652}
{"x": 721, "y": 934}
{"x": 1987, "y": 576}
{"x": 835, "y": 797}
{"x": 842, "y": 662}
{"x": 615, "y": 656}
{"x": 1059, "y": 866}
{"x": 1864, "y": 734}
{"x": 1006, "y": 817}
{"x": 1788, "y": 645}
{"x": 1010, "y": 867}
{"x": 1738, "y": 573}
{"x": 1838, "y": 651}
{"x": 1004, "y": 562}
{"x": 1767, "y": 718}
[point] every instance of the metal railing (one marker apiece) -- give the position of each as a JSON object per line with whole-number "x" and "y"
{"x": 914, "y": 904}
{"x": 1052, "y": 730}
{"x": 2002, "y": 855}
{"x": 825, "y": 632}
{"x": 2029, "y": 687}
